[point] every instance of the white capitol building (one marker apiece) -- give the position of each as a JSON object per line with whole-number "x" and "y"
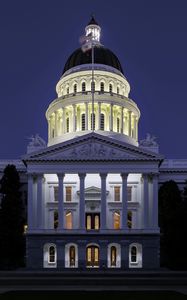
{"x": 93, "y": 190}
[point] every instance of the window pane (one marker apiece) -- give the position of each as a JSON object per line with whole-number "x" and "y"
{"x": 72, "y": 256}
{"x": 96, "y": 222}
{"x": 102, "y": 122}
{"x": 96, "y": 254}
{"x": 67, "y": 125}
{"x": 118, "y": 125}
{"x": 75, "y": 88}
{"x": 88, "y": 222}
{"x": 133, "y": 254}
{"x": 102, "y": 87}
{"x": 56, "y": 193}
{"x": 113, "y": 256}
{"x": 129, "y": 193}
{"x": 51, "y": 254}
{"x": 83, "y": 87}
{"x": 129, "y": 219}
{"x": 69, "y": 220}
{"x": 68, "y": 193}
{"x": 116, "y": 220}
{"x": 55, "y": 219}
{"x": 110, "y": 88}
{"x": 93, "y": 121}
{"x": 83, "y": 121}
{"x": 117, "y": 193}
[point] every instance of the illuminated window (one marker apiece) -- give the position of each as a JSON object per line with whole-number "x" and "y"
{"x": 92, "y": 121}
{"x": 93, "y": 86}
{"x": 51, "y": 254}
{"x": 129, "y": 219}
{"x": 117, "y": 193}
{"x": 117, "y": 90}
{"x": 68, "y": 193}
{"x": 110, "y": 88}
{"x": 88, "y": 222}
{"x": 113, "y": 256}
{"x": 92, "y": 221}
{"x": 72, "y": 256}
{"x": 118, "y": 125}
{"x": 129, "y": 193}
{"x": 75, "y": 88}
{"x": 96, "y": 222}
{"x": 92, "y": 256}
{"x": 55, "y": 219}
{"x": 102, "y": 86}
{"x": 133, "y": 254}
{"x": 67, "y": 125}
{"x": 102, "y": 122}
{"x": 83, "y": 122}
{"x": 83, "y": 87}
{"x": 116, "y": 220}
{"x": 69, "y": 220}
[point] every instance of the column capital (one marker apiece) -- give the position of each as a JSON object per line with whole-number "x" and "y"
{"x": 82, "y": 175}
{"x": 60, "y": 175}
{"x": 103, "y": 175}
{"x": 124, "y": 175}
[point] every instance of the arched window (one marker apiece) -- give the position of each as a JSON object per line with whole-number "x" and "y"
{"x": 69, "y": 222}
{"x": 49, "y": 256}
{"x": 96, "y": 222}
{"x": 88, "y": 222}
{"x": 72, "y": 256}
{"x": 83, "y": 87}
{"x": 110, "y": 88}
{"x": 67, "y": 90}
{"x": 102, "y": 122}
{"x": 75, "y": 88}
{"x": 116, "y": 220}
{"x": 92, "y": 121}
{"x": 113, "y": 256}
{"x": 67, "y": 124}
{"x": 118, "y": 125}
{"x": 117, "y": 89}
{"x": 93, "y": 86}
{"x": 135, "y": 255}
{"x": 83, "y": 126}
{"x": 92, "y": 256}
{"x": 102, "y": 87}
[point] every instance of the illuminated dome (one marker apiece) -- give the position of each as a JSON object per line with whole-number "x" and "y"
{"x": 102, "y": 56}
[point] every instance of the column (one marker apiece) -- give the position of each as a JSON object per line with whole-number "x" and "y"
{"x": 49, "y": 128}
{"x": 56, "y": 127}
{"x": 82, "y": 201}
{"x": 145, "y": 201}
{"x": 60, "y": 201}
{"x": 103, "y": 200}
{"x": 134, "y": 127}
{"x": 39, "y": 201}
{"x": 74, "y": 117}
{"x": 99, "y": 115}
{"x": 63, "y": 120}
{"x": 122, "y": 125}
{"x": 86, "y": 116}
{"x": 30, "y": 204}
{"x": 124, "y": 201}
{"x": 155, "y": 201}
{"x": 111, "y": 117}
{"x": 129, "y": 125}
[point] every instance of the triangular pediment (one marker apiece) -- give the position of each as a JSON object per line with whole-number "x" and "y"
{"x": 92, "y": 147}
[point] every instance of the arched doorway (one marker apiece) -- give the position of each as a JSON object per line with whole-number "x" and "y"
{"x": 92, "y": 256}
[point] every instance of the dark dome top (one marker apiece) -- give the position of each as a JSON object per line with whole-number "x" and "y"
{"x": 101, "y": 56}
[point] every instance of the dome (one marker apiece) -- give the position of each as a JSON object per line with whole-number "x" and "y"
{"x": 102, "y": 55}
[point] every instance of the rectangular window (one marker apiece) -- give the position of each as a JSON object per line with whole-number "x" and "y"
{"x": 68, "y": 193}
{"x": 129, "y": 193}
{"x": 117, "y": 193}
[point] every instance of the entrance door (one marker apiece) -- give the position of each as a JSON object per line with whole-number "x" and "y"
{"x": 92, "y": 221}
{"x": 92, "y": 256}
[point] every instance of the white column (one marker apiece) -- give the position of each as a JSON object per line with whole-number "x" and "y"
{"x": 82, "y": 201}
{"x": 145, "y": 201}
{"x": 111, "y": 117}
{"x": 155, "y": 201}
{"x": 74, "y": 117}
{"x": 134, "y": 127}
{"x": 124, "y": 201}
{"x": 30, "y": 204}
{"x": 56, "y": 128}
{"x": 129, "y": 125}
{"x": 63, "y": 120}
{"x": 103, "y": 200}
{"x": 49, "y": 128}
{"x": 86, "y": 116}
{"x": 39, "y": 201}
{"x": 99, "y": 115}
{"x": 122, "y": 117}
{"x": 60, "y": 201}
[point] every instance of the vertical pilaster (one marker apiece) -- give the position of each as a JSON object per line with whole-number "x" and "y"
{"x": 82, "y": 200}
{"x": 124, "y": 201}
{"x": 60, "y": 201}
{"x": 103, "y": 200}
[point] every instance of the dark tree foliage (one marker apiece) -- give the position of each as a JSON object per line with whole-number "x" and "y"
{"x": 11, "y": 220}
{"x": 171, "y": 221}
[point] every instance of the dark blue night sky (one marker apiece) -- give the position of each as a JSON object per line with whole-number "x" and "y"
{"x": 148, "y": 36}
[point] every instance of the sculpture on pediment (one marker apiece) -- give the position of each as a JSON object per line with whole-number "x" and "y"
{"x": 37, "y": 141}
{"x": 149, "y": 141}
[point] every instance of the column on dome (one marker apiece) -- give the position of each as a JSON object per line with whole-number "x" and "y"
{"x": 49, "y": 128}
{"x": 61, "y": 201}
{"x": 129, "y": 123}
{"x": 30, "y": 209}
{"x": 56, "y": 120}
{"x": 99, "y": 115}
{"x": 82, "y": 201}
{"x": 63, "y": 120}
{"x": 134, "y": 127}
{"x": 111, "y": 117}
{"x": 74, "y": 117}
{"x": 122, "y": 119}
{"x": 86, "y": 115}
{"x": 40, "y": 203}
{"x": 145, "y": 199}
{"x": 103, "y": 200}
{"x": 124, "y": 201}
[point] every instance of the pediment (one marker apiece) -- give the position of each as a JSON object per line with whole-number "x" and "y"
{"x": 92, "y": 147}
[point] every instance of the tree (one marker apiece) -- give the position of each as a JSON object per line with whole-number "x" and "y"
{"x": 11, "y": 220}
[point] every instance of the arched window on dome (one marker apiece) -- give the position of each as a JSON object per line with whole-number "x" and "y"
{"x": 102, "y": 122}
{"x": 75, "y": 88}
{"x": 83, "y": 122}
{"x": 92, "y": 121}
{"x": 102, "y": 87}
{"x": 67, "y": 90}
{"x": 118, "y": 124}
{"x": 117, "y": 89}
{"x": 110, "y": 88}
{"x": 93, "y": 86}
{"x": 67, "y": 124}
{"x": 84, "y": 87}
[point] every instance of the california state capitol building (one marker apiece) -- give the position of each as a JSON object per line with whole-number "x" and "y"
{"x": 91, "y": 192}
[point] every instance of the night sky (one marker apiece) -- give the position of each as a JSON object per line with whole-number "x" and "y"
{"x": 148, "y": 36}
